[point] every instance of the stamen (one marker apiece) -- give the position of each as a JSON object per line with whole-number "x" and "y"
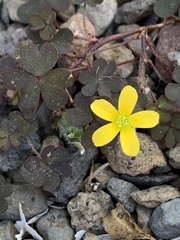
{"x": 122, "y": 121}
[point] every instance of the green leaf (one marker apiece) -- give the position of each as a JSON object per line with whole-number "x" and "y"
{"x": 36, "y": 20}
{"x": 76, "y": 117}
{"x": 48, "y": 15}
{"x": 36, "y": 61}
{"x": 47, "y": 32}
{"x": 62, "y": 40}
{"x": 58, "y": 5}
{"x": 172, "y": 91}
{"x": 170, "y": 139}
{"x": 158, "y": 132}
{"x": 164, "y": 103}
{"x": 164, "y": 116}
{"x": 176, "y": 74}
{"x": 27, "y": 85}
{"x": 91, "y": 3}
{"x": 175, "y": 120}
{"x": 166, "y": 8}
{"x": 52, "y": 182}
{"x": 29, "y": 8}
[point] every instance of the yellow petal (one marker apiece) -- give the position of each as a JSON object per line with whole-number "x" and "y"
{"x": 105, "y": 134}
{"x": 129, "y": 141}
{"x": 127, "y": 100}
{"x": 144, "y": 119}
{"x": 104, "y": 110}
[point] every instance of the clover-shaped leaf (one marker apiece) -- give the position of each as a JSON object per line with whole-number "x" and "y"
{"x": 43, "y": 22}
{"x": 52, "y": 85}
{"x": 91, "y": 3}
{"x": 29, "y": 8}
{"x": 40, "y": 174}
{"x": 164, "y": 103}
{"x": 176, "y": 74}
{"x": 158, "y": 132}
{"x": 9, "y": 138}
{"x": 166, "y": 8}
{"x": 60, "y": 162}
{"x": 172, "y": 91}
{"x": 58, "y": 5}
{"x": 100, "y": 79}
{"x": 76, "y": 117}
{"x": 175, "y": 120}
{"x": 23, "y": 124}
{"x": 36, "y": 61}
{"x": 62, "y": 40}
{"x": 26, "y": 84}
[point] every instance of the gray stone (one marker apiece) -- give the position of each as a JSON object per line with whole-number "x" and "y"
{"x": 149, "y": 157}
{"x": 165, "y": 220}
{"x": 9, "y": 40}
{"x": 121, "y": 190}
{"x": 104, "y": 175}
{"x": 55, "y": 225}
{"x": 119, "y": 54}
{"x": 12, "y": 7}
{"x": 143, "y": 216}
{"x": 102, "y": 15}
{"x": 14, "y": 157}
{"x": 7, "y": 230}
{"x": 80, "y": 165}
{"x": 134, "y": 45}
{"x": 154, "y": 196}
{"x": 32, "y": 199}
{"x": 174, "y": 157}
{"x": 149, "y": 180}
{"x": 88, "y": 209}
{"x": 134, "y": 11}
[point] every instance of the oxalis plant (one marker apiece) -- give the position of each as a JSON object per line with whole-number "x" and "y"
{"x": 80, "y": 96}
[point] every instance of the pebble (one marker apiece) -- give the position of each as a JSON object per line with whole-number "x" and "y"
{"x": 119, "y": 55}
{"x": 165, "y": 220}
{"x": 154, "y": 196}
{"x": 70, "y": 186}
{"x": 121, "y": 191}
{"x": 102, "y": 15}
{"x": 134, "y": 45}
{"x": 14, "y": 157}
{"x": 12, "y": 7}
{"x": 55, "y": 225}
{"x": 104, "y": 175}
{"x": 7, "y": 230}
{"x": 88, "y": 209}
{"x": 143, "y": 216}
{"x": 32, "y": 199}
{"x": 79, "y": 44}
{"x": 174, "y": 157}
{"x": 9, "y": 40}
{"x": 134, "y": 11}
{"x": 149, "y": 180}
{"x": 149, "y": 157}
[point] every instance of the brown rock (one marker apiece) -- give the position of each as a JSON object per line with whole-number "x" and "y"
{"x": 149, "y": 157}
{"x": 154, "y": 196}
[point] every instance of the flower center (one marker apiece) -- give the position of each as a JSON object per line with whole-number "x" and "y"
{"x": 122, "y": 121}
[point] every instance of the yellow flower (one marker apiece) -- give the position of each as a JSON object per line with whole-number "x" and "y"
{"x": 122, "y": 121}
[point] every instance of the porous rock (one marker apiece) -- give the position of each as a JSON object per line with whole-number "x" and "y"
{"x": 149, "y": 157}
{"x": 154, "y": 196}
{"x": 88, "y": 209}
